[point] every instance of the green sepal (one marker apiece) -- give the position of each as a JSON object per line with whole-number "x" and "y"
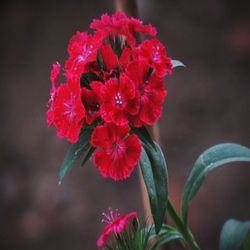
{"x": 134, "y": 237}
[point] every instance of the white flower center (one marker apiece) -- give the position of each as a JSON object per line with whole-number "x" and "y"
{"x": 110, "y": 216}
{"x": 118, "y": 99}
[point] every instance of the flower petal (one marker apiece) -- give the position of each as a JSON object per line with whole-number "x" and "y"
{"x": 103, "y": 162}
{"x": 133, "y": 149}
{"x": 101, "y": 137}
{"x": 126, "y": 87}
{"x": 109, "y": 57}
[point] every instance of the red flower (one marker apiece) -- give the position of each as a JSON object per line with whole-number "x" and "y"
{"x": 119, "y": 99}
{"x": 155, "y": 53}
{"x": 54, "y": 75}
{"x": 125, "y": 58}
{"x": 69, "y": 110}
{"x": 91, "y": 101}
{"x": 136, "y": 25}
{"x": 117, "y": 152}
{"x": 120, "y": 24}
{"x": 111, "y": 60}
{"x": 116, "y": 224}
{"x": 82, "y": 50}
{"x": 152, "y": 93}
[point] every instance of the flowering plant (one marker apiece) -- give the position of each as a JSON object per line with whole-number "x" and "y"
{"x": 114, "y": 88}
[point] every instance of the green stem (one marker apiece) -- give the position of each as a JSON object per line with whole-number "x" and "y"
{"x": 181, "y": 227}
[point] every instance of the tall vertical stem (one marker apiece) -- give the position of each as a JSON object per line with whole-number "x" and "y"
{"x": 129, "y": 7}
{"x": 182, "y": 228}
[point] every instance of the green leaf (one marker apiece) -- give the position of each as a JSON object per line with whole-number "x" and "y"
{"x": 246, "y": 244}
{"x": 212, "y": 158}
{"x": 234, "y": 235}
{"x": 177, "y": 63}
{"x": 74, "y": 152}
{"x": 145, "y": 137}
{"x": 164, "y": 229}
{"x": 154, "y": 171}
{"x": 89, "y": 151}
{"x": 168, "y": 236}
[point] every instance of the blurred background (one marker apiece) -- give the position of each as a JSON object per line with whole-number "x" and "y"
{"x": 208, "y": 102}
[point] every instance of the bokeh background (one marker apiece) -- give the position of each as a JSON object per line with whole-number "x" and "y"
{"x": 207, "y": 103}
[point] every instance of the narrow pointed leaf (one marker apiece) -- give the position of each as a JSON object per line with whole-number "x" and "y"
{"x": 151, "y": 229}
{"x": 234, "y": 235}
{"x": 74, "y": 152}
{"x": 212, "y": 158}
{"x": 154, "y": 172}
{"x": 88, "y": 154}
{"x": 164, "y": 229}
{"x": 177, "y": 63}
{"x": 167, "y": 237}
{"x": 144, "y": 136}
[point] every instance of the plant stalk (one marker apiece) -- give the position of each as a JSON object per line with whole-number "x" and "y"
{"x": 130, "y": 8}
{"x": 185, "y": 231}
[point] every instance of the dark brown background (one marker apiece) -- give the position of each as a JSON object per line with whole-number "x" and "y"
{"x": 207, "y": 103}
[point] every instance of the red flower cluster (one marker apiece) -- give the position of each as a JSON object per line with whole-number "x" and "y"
{"x": 113, "y": 83}
{"x": 115, "y": 224}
